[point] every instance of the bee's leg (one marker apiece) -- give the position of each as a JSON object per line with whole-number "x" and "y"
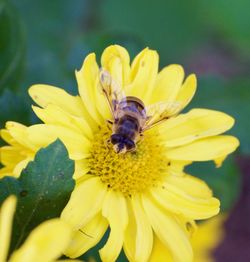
{"x": 109, "y": 123}
{"x": 108, "y": 142}
{"x": 140, "y": 138}
{"x": 132, "y": 150}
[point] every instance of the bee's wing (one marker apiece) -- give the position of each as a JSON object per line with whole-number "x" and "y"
{"x": 112, "y": 90}
{"x": 159, "y": 112}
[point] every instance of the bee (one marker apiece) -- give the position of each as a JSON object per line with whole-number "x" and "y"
{"x": 130, "y": 116}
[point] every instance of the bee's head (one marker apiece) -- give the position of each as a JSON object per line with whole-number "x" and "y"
{"x": 121, "y": 143}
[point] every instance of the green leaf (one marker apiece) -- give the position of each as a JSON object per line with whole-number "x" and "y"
{"x": 11, "y": 46}
{"x": 43, "y": 190}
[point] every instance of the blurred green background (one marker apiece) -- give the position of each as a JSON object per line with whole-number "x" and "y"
{"x": 45, "y": 41}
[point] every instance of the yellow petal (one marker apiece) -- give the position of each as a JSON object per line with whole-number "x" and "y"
{"x": 93, "y": 99}
{"x": 115, "y": 210}
{"x": 144, "y": 234}
{"x": 6, "y": 171}
{"x": 42, "y": 135}
{"x": 19, "y": 133}
{"x": 186, "y": 91}
{"x": 20, "y": 166}
{"x": 191, "y": 185}
{"x": 6, "y": 217}
{"x": 10, "y": 155}
{"x": 196, "y": 124}
{"x": 168, "y": 231}
{"x": 54, "y": 115}
{"x": 219, "y": 161}
{"x": 179, "y": 202}
{"x": 143, "y": 74}
{"x": 160, "y": 252}
{"x": 85, "y": 202}
{"x": 72, "y": 260}
{"x": 45, "y": 243}
{"x": 138, "y": 240}
{"x": 6, "y": 136}
{"x": 129, "y": 245}
{"x": 116, "y": 59}
{"x": 168, "y": 83}
{"x": 205, "y": 149}
{"x": 44, "y": 95}
{"x": 188, "y": 225}
{"x": 176, "y": 167}
{"x": 87, "y": 237}
{"x": 81, "y": 169}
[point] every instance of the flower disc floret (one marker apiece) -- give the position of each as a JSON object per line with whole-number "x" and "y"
{"x": 130, "y": 173}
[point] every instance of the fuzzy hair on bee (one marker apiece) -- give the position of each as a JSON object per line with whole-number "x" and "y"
{"x": 130, "y": 116}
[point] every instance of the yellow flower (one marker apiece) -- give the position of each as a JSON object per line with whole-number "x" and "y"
{"x": 18, "y": 153}
{"x": 204, "y": 241}
{"x": 45, "y": 243}
{"x": 144, "y": 195}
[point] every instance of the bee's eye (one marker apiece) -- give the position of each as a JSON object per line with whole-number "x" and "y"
{"x": 115, "y": 139}
{"x": 129, "y": 144}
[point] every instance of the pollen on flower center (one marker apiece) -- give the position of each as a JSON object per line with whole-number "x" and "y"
{"x": 132, "y": 172}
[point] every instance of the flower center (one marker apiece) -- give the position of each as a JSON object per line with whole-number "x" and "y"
{"x": 132, "y": 172}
